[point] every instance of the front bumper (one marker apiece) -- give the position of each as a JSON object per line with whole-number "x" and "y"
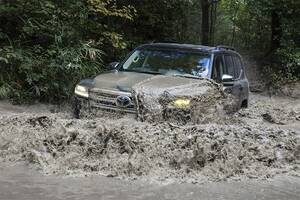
{"x": 106, "y": 102}
{"x": 93, "y": 104}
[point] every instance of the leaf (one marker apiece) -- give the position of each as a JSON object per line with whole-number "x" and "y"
{"x": 4, "y": 60}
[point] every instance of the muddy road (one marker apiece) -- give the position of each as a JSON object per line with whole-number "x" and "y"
{"x": 20, "y": 182}
{"x": 256, "y": 150}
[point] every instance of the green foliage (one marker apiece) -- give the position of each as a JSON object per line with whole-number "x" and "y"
{"x": 110, "y": 8}
{"x": 246, "y": 24}
{"x": 4, "y": 91}
{"x": 47, "y": 46}
{"x": 164, "y": 20}
{"x": 285, "y": 68}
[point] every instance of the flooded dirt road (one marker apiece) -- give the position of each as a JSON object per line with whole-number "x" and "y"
{"x": 47, "y": 154}
{"x": 19, "y": 182}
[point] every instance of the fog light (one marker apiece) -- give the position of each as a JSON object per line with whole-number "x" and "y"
{"x": 182, "y": 103}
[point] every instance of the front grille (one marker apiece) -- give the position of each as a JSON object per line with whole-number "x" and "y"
{"x": 108, "y": 100}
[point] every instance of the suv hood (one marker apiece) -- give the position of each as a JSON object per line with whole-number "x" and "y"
{"x": 125, "y": 81}
{"x": 120, "y": 81}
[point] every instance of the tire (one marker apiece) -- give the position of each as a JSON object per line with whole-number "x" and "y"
{"x": 76, "y": 104}
{"x": 245, "y": 104}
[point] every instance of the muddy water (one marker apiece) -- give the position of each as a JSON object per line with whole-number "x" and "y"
{"x": 20, "y": 182}
{"x": 262, "y": 142}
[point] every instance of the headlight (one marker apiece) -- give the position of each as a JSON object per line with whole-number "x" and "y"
{"x": 82, "y": 91}
{"x": 182, "y": 103}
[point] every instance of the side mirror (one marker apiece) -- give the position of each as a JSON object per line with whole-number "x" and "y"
{"x": 113, "y": 65}
{"x": 227, "y": 78}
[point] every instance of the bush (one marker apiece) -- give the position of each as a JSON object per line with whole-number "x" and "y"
{"x": 46, "y": 74}
{"x": 284, "y": 68}
{"x": 46, "y": 46}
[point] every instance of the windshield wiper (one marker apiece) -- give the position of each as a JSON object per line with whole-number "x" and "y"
{"x": 188, "y": 76}
{"x": 144, "y": 72}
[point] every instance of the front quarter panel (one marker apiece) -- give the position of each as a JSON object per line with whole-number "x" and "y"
{"x": 87, "y": 83}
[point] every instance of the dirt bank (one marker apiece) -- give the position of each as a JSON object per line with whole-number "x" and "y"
{"x": 258, "y": 142}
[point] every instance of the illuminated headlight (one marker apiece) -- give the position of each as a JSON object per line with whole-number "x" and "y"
{"x": 182, "y": 103}
{"x": 82, "y": 91}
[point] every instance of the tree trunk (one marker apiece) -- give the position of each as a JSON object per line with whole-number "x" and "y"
{"x": 213, "y": 11}
{"x": 234, "y": 26}
{"x": 205, "y": 22}
{"x": 276, "y": 30}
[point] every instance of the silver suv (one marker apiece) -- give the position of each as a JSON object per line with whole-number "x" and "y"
{"x": 113, "y": 90}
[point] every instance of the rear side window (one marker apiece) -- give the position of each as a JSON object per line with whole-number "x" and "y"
{"x": 229, "y": 66}
{"x": 237, "y": 67}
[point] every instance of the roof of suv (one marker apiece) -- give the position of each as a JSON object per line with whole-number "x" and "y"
{"x": 190, "y": 47}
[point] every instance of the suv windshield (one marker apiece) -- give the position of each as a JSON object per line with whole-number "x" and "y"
{"x": 168, "y": 62}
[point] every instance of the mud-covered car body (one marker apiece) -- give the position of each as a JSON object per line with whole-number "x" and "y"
{"x": 177, "y": 64}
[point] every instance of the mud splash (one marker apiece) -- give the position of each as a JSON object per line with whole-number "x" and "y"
{"x": 246, "y": 146}
{"x": 156, "y": 100}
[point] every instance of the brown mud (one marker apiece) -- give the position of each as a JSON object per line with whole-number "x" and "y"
{"x": 155, "y": 100}
{"x": 259, "y": 142}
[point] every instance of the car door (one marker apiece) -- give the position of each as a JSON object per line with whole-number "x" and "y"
{"x": 233, "y": 87}
{"x": 243, "y": 82}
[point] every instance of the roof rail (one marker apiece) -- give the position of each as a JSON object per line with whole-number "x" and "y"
{"x": 165, "y": 41}
{"x": 225, "y": 47}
